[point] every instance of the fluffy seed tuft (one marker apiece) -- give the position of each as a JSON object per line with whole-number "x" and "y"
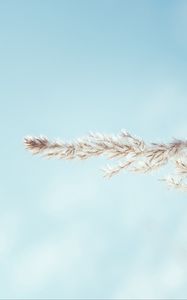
{"x": 134, "y": 154}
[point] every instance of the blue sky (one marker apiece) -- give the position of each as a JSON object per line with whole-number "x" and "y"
{"x": 67, "y": 68}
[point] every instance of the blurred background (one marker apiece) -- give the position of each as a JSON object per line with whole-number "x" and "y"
{"x": 68, "y": 68}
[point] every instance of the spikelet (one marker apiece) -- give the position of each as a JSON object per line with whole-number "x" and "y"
{"x": 134, "y": 154}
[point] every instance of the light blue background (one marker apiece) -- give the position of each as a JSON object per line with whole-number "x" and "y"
{"x": 67, "y": 68}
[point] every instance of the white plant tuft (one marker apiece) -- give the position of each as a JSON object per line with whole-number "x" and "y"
{"x": 134, "y": 154}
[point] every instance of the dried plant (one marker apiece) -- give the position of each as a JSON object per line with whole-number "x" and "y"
{"x": 134, "y": 154}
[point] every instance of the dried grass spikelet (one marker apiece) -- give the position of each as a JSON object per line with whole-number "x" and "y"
{"x": 134, "y": 154}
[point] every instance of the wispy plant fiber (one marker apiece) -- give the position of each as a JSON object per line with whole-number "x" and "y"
{"x": 133, "y": 153}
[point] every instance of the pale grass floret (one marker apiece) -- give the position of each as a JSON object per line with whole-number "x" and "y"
{"x": 134, "y": 154}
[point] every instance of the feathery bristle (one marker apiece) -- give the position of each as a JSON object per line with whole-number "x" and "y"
{"x": 136, "y": 154}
